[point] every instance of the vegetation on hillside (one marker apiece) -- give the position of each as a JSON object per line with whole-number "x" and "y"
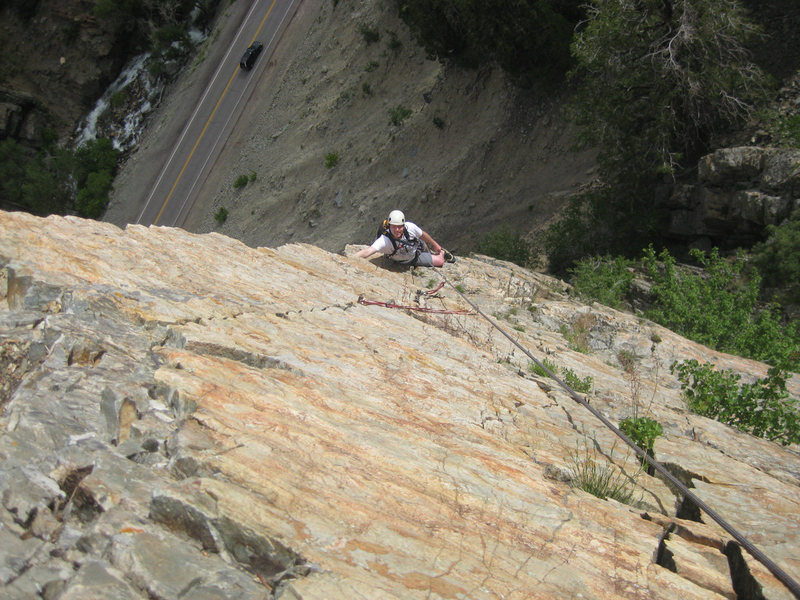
{"x": 57, "y": 180}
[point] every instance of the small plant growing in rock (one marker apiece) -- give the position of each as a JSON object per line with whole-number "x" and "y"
{"x": 537, "y": 370}
{"x": 371, "y": 66}
{"x": 438, "y": 122}
{"x": 221, "y": 215}
{"x": 241, "y": 181}
{"x": 366, "y": 88}
{"x": 643, "y": 432}
{"x": 641, "y": 429}
{"x": 331, "y": 160}
{"x": 584, "y": 386}
{"x": 252, "y": 176}
{"x": 601, "y": 479}
{"x": 398, "y": 114}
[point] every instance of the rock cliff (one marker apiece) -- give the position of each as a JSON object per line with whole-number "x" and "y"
{"x": 188, "y": 417}
{"x": 56, "y": 62}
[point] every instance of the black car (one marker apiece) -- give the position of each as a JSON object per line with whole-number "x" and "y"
{"x": 250, "y": 55}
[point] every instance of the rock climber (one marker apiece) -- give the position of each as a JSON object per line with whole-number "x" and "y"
{"x": 406, "y": 243}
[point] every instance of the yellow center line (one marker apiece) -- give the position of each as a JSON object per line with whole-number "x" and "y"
{"x": 205, "y": 127}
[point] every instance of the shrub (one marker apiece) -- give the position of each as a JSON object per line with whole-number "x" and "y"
{"x": 253, "y": 176}
{"x": 331, "y": 160}
{"x": 504, "y": 244}
{"x": 535, "y": 368}
{"x": 221, "y": 215}
{"x": 583, "y": 386}
{"x": 398, "y": 114}
{"x": 438, "y": 122}
{"x": 762, "y": 408}
{"x": 643, "y": 431}
{"x": 719, "y": 308}
{"x": 606, "y": 279}
{"x": 369, "y": 34}
{"x": 241, "y": 181}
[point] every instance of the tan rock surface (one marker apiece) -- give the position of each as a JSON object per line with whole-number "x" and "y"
{"x": 396, "y": 454}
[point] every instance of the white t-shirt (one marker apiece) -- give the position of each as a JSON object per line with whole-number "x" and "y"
{"x": 406, "y": 246}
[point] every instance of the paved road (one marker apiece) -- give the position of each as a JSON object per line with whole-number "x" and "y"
{"x": 173, "y": 193}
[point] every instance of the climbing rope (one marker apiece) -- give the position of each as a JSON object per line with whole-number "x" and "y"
{"x": 425, "y": 309}
{"x": 779, "y": 573}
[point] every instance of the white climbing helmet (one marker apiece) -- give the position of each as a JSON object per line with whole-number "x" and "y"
{"x": 396, "y": 217}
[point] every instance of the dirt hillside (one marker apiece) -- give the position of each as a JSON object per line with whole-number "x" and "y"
{"x": 473, "y": 153}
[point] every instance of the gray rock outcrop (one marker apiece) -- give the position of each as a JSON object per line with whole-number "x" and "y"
{"x": 738, "y": 193}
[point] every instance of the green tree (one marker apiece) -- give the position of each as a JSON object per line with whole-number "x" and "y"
{"x": 42, "y": 193}
{"x": 93, "y": 196}
{"x": 658, "y": 77}
{"x": 655, "y": 80}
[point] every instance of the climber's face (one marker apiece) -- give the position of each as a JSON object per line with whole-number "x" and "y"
{"x": 397, "y": 231}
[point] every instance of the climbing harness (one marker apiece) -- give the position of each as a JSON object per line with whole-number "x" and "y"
{"x": 779, "y": 573}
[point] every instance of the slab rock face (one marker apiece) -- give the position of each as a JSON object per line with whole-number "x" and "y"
{"x": 184, "y": 416}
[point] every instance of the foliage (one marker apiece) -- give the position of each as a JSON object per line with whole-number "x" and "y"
{"x": 240, "y": 181}
{"x": 369, "y": 34}
{"x": 504, "y": 244}
{"x": 526, "y": 37}
{"x": 719, "y": 308}
{"x": 608, "y": 219}
{"x": 170, "y": 43}
{"x": 605, "y": 279}
{"x": 398, "y": 114}
{"x": 657, "y": 79}
{"x": 643, "y": 431}
{"x": 331, "y": 160}
{"x": 221, "y": 215}
{"x": 93, "y": 196}
{"x": 784, "y": 129}
{"x": 778, "y": 259}
{"x": 584, "y": 386}
{"x": 762, "y": 408}
{"x": 438, "y": 122}
{"x": 56, "y": 180}
{"x": 535, "y": 368}
{"x": 601, "y": 480}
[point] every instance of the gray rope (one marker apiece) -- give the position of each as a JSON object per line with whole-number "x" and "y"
{"x": 779, "y": 573}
